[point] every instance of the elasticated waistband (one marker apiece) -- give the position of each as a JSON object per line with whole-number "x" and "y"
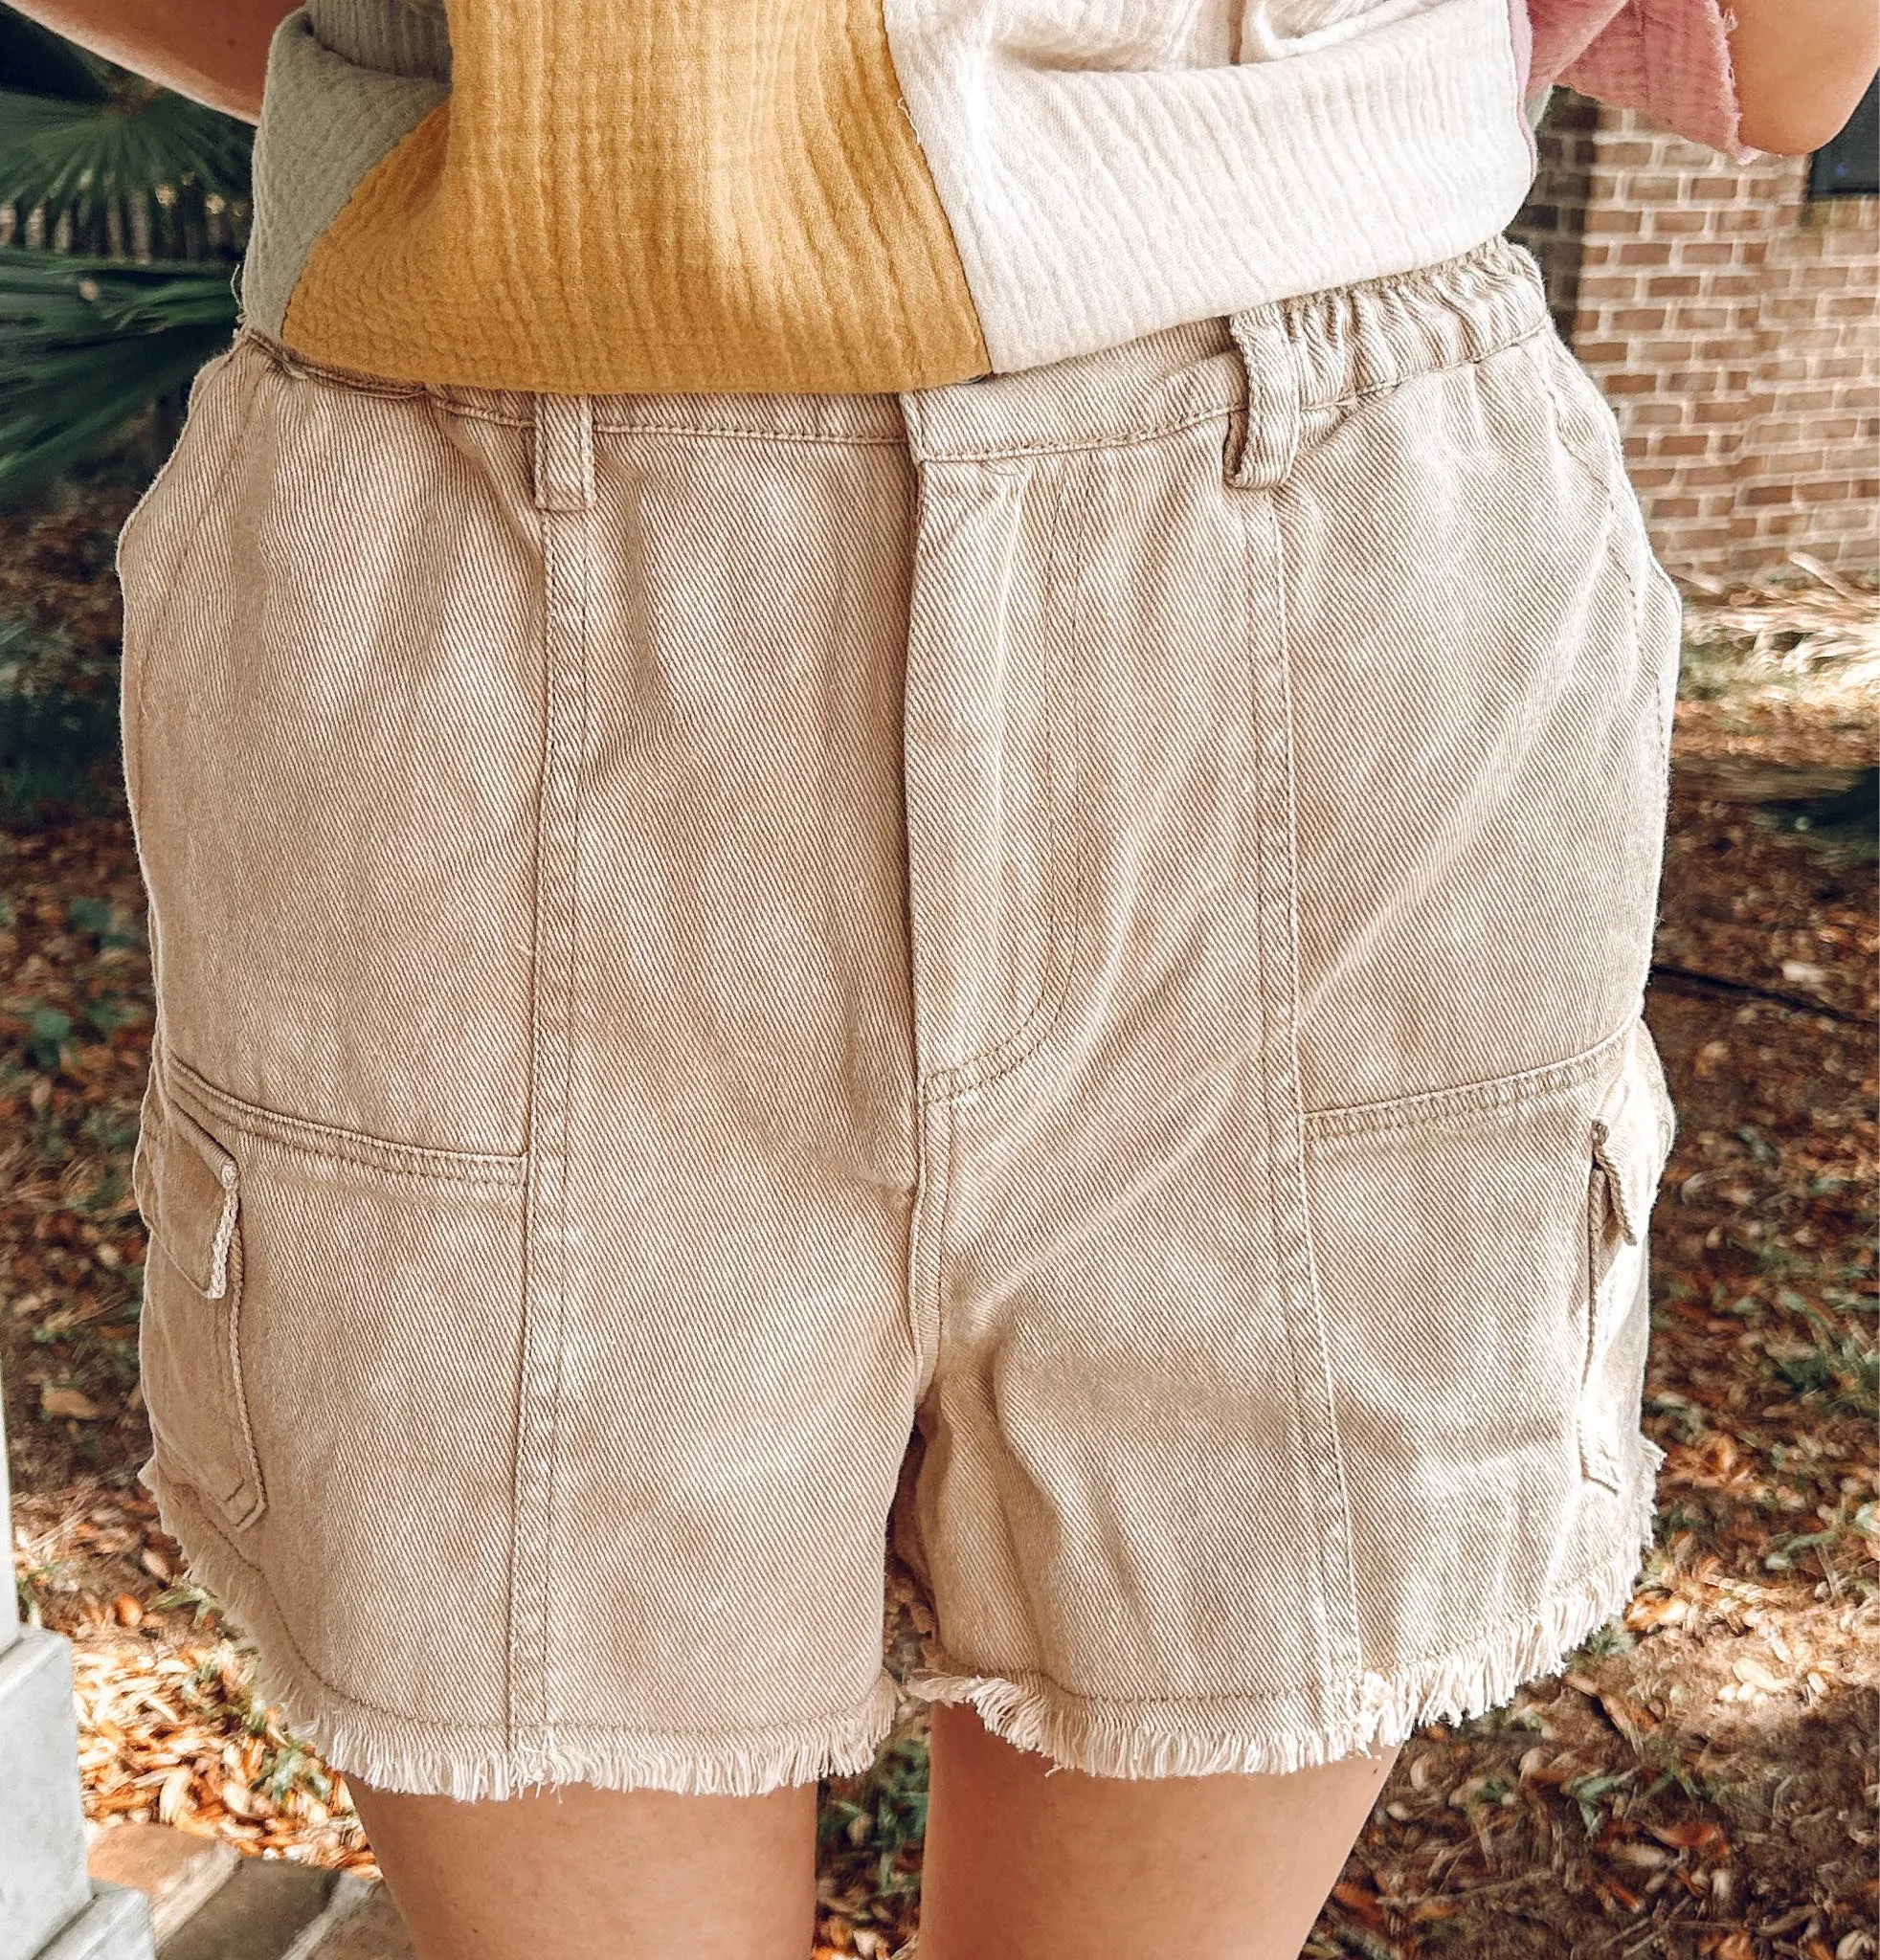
{"x": 1336, "y": 344}
{"x": 1332, "y": 345}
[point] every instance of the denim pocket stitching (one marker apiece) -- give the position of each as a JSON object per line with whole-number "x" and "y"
{"x": 1001, "y": 1058}
{"x": 368, "y": 1152}
{"x": 1625, "y": 1168}
{"x": 219, "y": 1300}
{"x": 134, "y": 671}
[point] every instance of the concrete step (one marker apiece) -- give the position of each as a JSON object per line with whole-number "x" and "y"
{"x": 42, "y": 1830}
{"x": 371, "y": 1930}
{"x": 208, "y": 1903}
{"x": 175, "y": 1870}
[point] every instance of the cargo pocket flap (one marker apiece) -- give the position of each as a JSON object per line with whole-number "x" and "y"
{"x": 1632, "y": 1135}
{"x": 194, "y": 1191}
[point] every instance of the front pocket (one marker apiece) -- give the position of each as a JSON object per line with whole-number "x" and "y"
{"x": 1630, "y": 1139}
{"x": 200, "y": 425}
{"x": 1480, "y": 701}
{"x": 154, "y": 543}
{"x": 188, "y": 1189}
{"x": 334, "y": 747}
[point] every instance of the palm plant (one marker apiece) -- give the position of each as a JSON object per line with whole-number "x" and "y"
{"x": 121, "y": 209}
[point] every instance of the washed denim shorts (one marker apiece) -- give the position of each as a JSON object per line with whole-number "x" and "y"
{"x": 1017, "y": 1003}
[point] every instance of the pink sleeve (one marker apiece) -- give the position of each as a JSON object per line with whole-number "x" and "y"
{"x": 1670, "y": 59}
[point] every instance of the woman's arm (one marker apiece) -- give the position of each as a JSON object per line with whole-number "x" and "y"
{"x": 216, "y": 51}
{"x": 1801, "y": 67}
{"x": 1745, "y": 76}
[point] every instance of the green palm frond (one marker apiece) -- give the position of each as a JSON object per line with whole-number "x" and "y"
{"x": 92, "y": 148}
{"x": 77, "y": 158}
{"x": 86, "y": 344}
{"x": 134, "y": 201}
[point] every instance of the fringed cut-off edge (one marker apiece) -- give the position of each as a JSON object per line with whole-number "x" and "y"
{"x": 389, "y": 1752}
{"x": 1139, "y": 1741}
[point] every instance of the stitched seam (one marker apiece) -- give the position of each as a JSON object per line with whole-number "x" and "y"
{"x": 921, "y": 1229}
{"x": 1050, "y": 977}
{"x": 1600, "y": 473}
{"x": 557, "y": 1407}
{"x": 531, "y": 1222}
{"x": 1256, "y": 693}
{"x": 151, "y": 640}
{"x": 1134, "y": 436}
{"x": 356, "y": 1147}
{"x": 540, "y": 1357}
{"x": 992, "y": 1064}
{"x": 940, "y": 1247}
{"x": 1335, "y": 1554}
{"x": 300, "y": 367}
{"x": 1656, "y": 573}
{"x": 248, "y": 1486}
{"x": 717, "y": 433}
{"x": 1592, "y": 1451}
{"x": 1140, "y": 435}
{"x": 1467, "y": 1099}
{"x": 236, "y": 1316}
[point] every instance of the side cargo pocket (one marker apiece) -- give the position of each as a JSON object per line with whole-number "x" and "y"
{"x": 188, "y": 1189}
{"x": 1631, "y": 1136}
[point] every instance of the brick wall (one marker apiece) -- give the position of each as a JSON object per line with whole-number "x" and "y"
{"x": 1732, "y": 323}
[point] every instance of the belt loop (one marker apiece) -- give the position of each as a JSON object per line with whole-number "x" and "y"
{"x": 564, "y": 452}
{"x": 1274, "y": 411}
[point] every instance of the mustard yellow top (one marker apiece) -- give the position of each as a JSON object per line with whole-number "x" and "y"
{"x": 730, "y": 195}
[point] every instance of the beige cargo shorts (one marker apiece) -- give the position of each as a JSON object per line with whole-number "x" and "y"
{"x": 1022, "y": 999}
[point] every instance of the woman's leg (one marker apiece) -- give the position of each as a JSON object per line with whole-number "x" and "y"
{"x": 600, "y": 1875}
{"x": 1057, "y": 1865}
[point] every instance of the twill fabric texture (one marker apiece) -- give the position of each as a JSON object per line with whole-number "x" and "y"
{"x": 981, "y": 1042}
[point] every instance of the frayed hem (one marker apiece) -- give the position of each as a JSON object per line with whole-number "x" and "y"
{"x": 395, "y": 1752}
{"x": 1140, "y": 1741}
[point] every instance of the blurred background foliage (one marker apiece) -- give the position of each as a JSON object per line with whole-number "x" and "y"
{"x": 123, "y": 211}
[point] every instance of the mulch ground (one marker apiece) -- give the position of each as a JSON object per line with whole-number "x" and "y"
{"x": 1699, "y": 1781}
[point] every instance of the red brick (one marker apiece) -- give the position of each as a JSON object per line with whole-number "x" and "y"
{"x": 1634, "y": 320}
{"x": 1672, "y": 222}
